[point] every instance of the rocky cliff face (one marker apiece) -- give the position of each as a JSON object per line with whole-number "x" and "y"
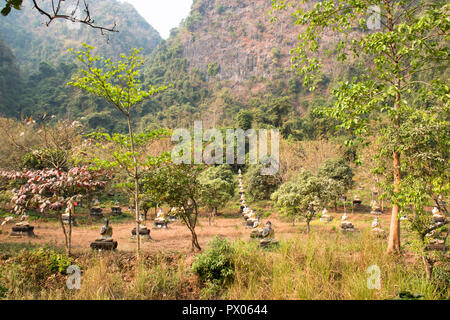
{"x": 235, "y": 39}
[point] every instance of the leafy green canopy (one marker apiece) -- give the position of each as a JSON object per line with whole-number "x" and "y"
{"x": 118, "y": 83}
{"x": 304, "y": 196}
{"x": 412, "y": 39}
{"x": 260, "y": 186}
{"x": 217, "y": 186}
{"x": 339, "y": 173}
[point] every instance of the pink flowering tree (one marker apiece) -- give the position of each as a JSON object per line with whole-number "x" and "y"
{"x": 52, "y": 189}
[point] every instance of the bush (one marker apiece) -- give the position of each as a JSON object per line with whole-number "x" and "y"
{"x": 33, "y": 271}
{"x": 43, "y": 262}
{"x": 44, "y": 158}
{"x": 216, "y": 264}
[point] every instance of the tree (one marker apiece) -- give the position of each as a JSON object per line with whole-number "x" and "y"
{"x": 40, "y": 143}
{"x": 120, "y": 85}
{"x": 305, "y": 196}
{"x": 54, "y": 189}
{"x": 244, "y": 119}
{"x": 60, "y": 10}
{"x": 261, "y": 186}
{"x": 217, "y": 187}
{"x": 178, "y": 186}
{"x": 410, "y": 39}
{"x": 340, "y": 175}
{"x": 425, "y": 141}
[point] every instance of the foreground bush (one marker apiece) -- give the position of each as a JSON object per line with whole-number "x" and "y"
{"x": 216, "y": 264}
{"x": 32, "y": 271}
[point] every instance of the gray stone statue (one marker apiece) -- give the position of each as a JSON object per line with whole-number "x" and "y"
{"x": 105, "y": 242}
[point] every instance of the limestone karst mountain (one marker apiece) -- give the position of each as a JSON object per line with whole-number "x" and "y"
{"x": 224, "y": 58}
{"x": 32, "y": 41}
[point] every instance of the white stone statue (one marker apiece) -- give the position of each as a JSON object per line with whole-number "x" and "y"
{"x": 8, "y": 220}
{"x": 160, "y": 215}
{"x": 375, "y": 223}
{"x": 325, "y": 216}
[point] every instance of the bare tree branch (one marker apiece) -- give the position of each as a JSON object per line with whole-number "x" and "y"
{"x": 57, "y": 14}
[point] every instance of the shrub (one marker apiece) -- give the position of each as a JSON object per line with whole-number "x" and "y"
{"x": 33, "y": 271}
{"x": 43, "y": 261}
{"x": 216, "y": 264}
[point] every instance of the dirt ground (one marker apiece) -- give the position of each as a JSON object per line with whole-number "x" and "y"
{"x": 177, "y": 237}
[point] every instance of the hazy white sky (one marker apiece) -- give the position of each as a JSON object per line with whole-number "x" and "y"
{"x": 163, "y": 15}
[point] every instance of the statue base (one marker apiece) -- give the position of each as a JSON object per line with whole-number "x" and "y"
{"x": 347, "y": 227}
{"x": 104, "y": 244}
{"x": 435, "y": 247}
{"x": 96, "y": 212}
{"x": 161, "y": 224}
{"x": 116, "y": 211}
{"x": 251, "y": 224}
{"x": 326, "y": 218}
{"x": 143, "y": 232}
{"x": 66, "y": 221}
{"x": 20, "y": 231}
{"x": 264, "y": 243}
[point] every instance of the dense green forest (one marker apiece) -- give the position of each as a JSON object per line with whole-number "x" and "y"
{"x": 41, "y": 65}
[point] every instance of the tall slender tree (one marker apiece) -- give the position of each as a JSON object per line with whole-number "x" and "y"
{"x": 120, "y": 85}
{"x": 397, "y": 42}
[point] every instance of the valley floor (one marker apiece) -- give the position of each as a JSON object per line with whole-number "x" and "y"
{"x": 326, "y": 264}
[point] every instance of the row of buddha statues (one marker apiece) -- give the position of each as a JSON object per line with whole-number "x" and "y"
{"x": 265, "y": 235}
{"x": 96, "y": 210}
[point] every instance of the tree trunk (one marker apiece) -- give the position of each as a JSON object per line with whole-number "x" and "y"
{"x": 136, "y": 187}
{"x": 212, "y": 215}
{"x": 428, "y": 267}
{"x": 308, "y": 228}
{"x": 66, "y": 240}
{"x": 69, "y": 244}
{"x": 394, "y": 230}
{"x": 89, "y": 204}
{"x": 195, "y": 244}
